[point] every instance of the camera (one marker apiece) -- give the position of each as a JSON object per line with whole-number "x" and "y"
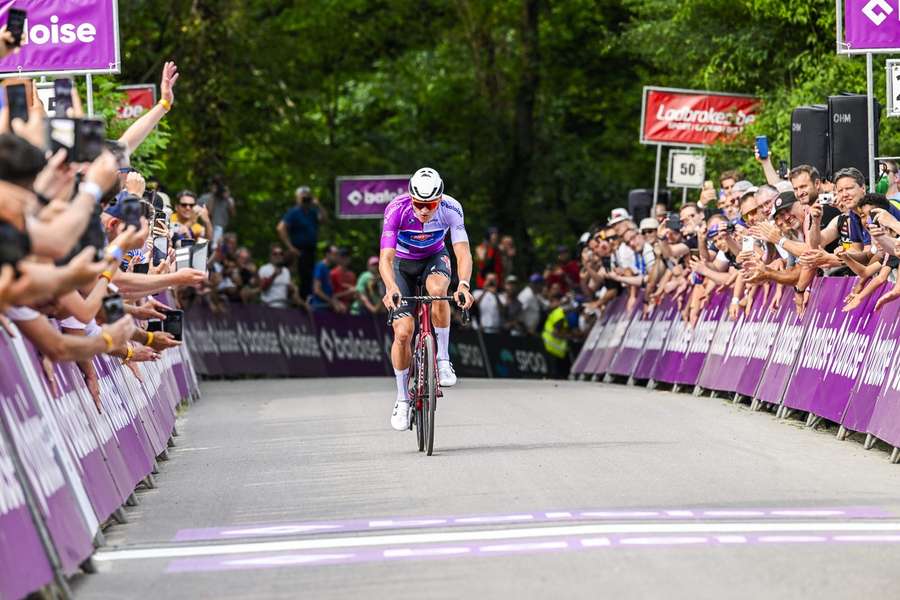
{"x": 83, "y": 139}
{"x": 729, "y": 228}
{"x": 673, "y": 222}
{"x": 14, "y": 245}
{"x": 113, "y": 308}
{"x": 132, "y": 210}
{"x": 826, "y": 198}
{"x": 15, "y": 24}
{"x": 172, "y": 325}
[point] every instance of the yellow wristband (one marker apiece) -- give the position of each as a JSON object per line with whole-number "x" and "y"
{"x": 130, "y": 354}
{"x": 107, "y": 275}
{"x": 166, "y": 104}
{"x": 109, "y": 341}
{"x": 149, "y": 341}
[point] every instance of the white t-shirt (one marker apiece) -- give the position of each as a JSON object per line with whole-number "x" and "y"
{"x": 488, "y": 310}
{"x": 277, "y": 294}
{"x": 531, "y": 308}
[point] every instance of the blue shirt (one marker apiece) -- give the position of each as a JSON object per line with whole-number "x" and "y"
{"x": 860, "y": 234}
{"x": 302, "y": 225}
{"x": 322, "y": 274}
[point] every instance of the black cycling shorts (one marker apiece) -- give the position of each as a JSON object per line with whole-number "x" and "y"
{"x": 409, "y": 273}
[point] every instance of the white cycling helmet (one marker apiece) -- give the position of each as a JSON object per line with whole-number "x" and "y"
{"x": 426, "y": 185}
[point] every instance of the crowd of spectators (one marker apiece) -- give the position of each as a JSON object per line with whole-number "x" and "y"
{"x": 772, "y": 234}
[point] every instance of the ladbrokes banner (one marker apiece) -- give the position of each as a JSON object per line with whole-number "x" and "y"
{"x": 75, "y": 36}
{"x": 694, "y": 118}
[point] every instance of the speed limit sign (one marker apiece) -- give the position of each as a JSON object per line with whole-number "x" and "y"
{"x": 686, "y": 169}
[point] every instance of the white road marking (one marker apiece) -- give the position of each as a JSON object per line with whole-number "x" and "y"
{"x": 731, "y": 539}
{"x": 407, "y": 523}
{"x": 663, "y": 541}
{"x": 280, "y": 530}
{"x": 792, "y": 539}
{"x": 412, "y": 552}
{"x": 595, "y": 542}
{"x": 558, "y": 515}
{"x": 362, "y": 541}
{"x": 498, "y": 519}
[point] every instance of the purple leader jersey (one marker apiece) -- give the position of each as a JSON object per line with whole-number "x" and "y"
{"x": 415, "y": 240}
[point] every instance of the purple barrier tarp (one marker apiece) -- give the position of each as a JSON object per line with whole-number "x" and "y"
{"x": 31, "y": 434}
{"x": 664, "y": 315}
{"x": 879, "y": 363}
{"x": 885, "y": 421}
{"x": 678, "y": 339}
{"x": 301, "y": 346}
{"x": 825, "y": 320}
{"x": 780, "y": 365}
{"x": 613, "y": 333}
{"x": 633, "y": 341}
{"x": 24, "y": 566}
{"x": 700, "y": 339}
{"x": 350, "y": 345}
{"x": 755, "y": 342}
{"x": 587, "y": 349}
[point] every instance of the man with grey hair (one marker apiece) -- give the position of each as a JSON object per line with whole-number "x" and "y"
{"x": 298, "y": 230}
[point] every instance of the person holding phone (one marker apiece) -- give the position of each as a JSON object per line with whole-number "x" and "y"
{"x": 190, "y": 221}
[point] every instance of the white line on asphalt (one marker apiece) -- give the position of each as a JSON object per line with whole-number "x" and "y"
{"x": 360, "y": 541}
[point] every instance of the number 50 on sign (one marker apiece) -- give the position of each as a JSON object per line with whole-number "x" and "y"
{"x": 686, "y": 169}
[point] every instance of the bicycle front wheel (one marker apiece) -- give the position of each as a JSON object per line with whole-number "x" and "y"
{"x": 415, "y": 395}
{"x": 430, "y": 400}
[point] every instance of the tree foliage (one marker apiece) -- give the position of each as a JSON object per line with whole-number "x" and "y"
{"x": 529, "y": 108}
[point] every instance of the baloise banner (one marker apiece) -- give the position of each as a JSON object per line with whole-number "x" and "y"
{"x": 694, "y": 118}
{"x": 870, "y": 26}
{"x": 366, "y": 197}
{"x": 70, "y": 36}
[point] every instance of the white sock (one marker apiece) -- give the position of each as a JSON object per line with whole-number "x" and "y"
{"x": 443, "y": 337}
{"x": 402, "y": 377}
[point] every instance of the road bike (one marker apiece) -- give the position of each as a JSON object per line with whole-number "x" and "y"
{"x": 424, "y": 387}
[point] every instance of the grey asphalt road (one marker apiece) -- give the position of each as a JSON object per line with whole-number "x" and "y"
{"x": 299, "y": 488}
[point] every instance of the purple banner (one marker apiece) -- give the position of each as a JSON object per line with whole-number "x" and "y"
{"x": 664, "y": 315}
{"x": 632, "y": 345}
{"x": 31, "y": 434}
{"x": 303, "y": 356}
{"x": 587, "y": 349}
{"x": 65, "y": 35}
{"x": 350, "y": 345}
{"x": 879, "y": 363}
{"x": 784, "y": 354}
{"x": 885, "y": 421}
{"x": 825, "y": 320}
{"x": 613, "y": 333}
{"x": 367, "y": 197}
{"x": 871, "y": 25}
{"x": 701, "y": 336}
{"x": 23, "y": 563}
{"x": 754, "y": 343}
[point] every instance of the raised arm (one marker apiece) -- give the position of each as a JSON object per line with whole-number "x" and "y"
{"x": 140, "y": 129}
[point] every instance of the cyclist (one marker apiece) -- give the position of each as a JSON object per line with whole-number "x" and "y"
{"x": 412, "y": 245}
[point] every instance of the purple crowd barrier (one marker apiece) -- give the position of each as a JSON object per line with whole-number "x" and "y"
{"x": 830, "y": 364}
{"x": 66, "y": 467}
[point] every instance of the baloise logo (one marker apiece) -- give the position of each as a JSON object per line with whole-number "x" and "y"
{"x": 877, "y": 11}
{"x": 355, "y": 197}
{"x": 41, "y": 34}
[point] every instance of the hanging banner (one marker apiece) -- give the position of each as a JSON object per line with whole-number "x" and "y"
{"x": 694, "y": 118}
{"x": 138, "y": 99}
{"x": 65, "y": 36}
{"x": 868, "y": 26}
{"x": 366, "y": 197}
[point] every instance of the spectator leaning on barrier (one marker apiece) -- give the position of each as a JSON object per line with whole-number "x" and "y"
{"x": 322, "y": 297}
{"x": 369, "y": 290}
{"x": 343, "y": 280}
{"x": 275, "y": 280}
{"x": 298, "y": 230}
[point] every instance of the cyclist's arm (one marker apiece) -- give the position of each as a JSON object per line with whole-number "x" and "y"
{"x": 463, "y": 261}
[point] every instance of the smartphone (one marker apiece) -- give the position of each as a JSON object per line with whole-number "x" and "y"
{"x": 62, "y": 96}
{"x": 826, "y": 198}
{"x": 113, "y": 308}
{"x": 782, "y": 169}
{"x": 673, "y": 222}
{"x": 15, "y": 24}
{"x": 762, "y": 146}
{"x": 182, "y": 257}
{"x": 154, "y": 325}
{"x": 142, "y": 268}
{"x": 199, "y": 256}
{"x": 747, "y": 244}
{"x": 17, "y": 100}
{"x": 173, "y": 323}
{"x": 83, "y": 139}
{"x": 132, "y": 211}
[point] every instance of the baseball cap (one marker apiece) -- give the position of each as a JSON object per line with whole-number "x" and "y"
{"x": 536, "y": 278}
{"x": 303, "y": 190}
{"x": 749, "y": 191}
{"x": 649, "y": 223}
{"x": 373, "y": 260}
{"x": 741, "y": 187}
{"x": 783, "y": 202}
{"x": 512, "y": 279}
{"x": 617, "y": 216}
{"x": 784, "y": 186}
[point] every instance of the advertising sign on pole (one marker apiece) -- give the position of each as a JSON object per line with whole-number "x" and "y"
{"x": 139, "y": 99}
{"x": 893, "y": 87}
{"x": 366, "y": 197}
{"x": 686, "y": 169}
{"x": 676, "y": 117}
{"x": 868, "y": 26}
{"x": 65, "y": 36}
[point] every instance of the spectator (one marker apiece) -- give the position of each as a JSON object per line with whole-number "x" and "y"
{"x": 512, "y": 307}
{"x": 507, "y": 255}
{"x": 190, "y": 221}
{"x": 220, "y": 206}
{"x": 275, "y": 279}
{"x": 488, "y": 257}
{"x": 322, "y": 297}
{"x": 369, "y": 291}
{"x": 343, "y": 280}
{"x": 556, "y": 334}
{"x": 299, "y": 232}
{"x": 533, "y": 303}
{"x": 489, "y": 306}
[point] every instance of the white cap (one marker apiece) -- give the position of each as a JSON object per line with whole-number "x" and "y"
{"x": 617, "y": 216}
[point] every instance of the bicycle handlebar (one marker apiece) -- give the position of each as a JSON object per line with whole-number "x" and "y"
{"x": 458, "y": 301}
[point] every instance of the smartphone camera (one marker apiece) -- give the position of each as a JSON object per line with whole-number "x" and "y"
{"x": 17, "y": 100}
{"x": 174, "y": 323}
{"x": 62, "y": 96}
{"x": 132, "y": 211}
{"x": 113, "y": 308}
{"x": 673, "y": 222}
{"x": 83, "y": 139}
{"x": 762, "y": 146}
{"x": 15, "y": 24}
{"x": 729, "y": 228}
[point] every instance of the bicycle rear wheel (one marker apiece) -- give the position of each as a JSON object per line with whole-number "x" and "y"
{"x": 429, "y": 400}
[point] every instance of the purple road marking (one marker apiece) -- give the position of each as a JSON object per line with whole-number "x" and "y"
{"x": 389, "y": 523}
{"x": 459, "y": 550}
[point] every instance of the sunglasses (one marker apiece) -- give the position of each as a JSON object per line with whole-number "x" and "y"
{"x": 187, "y": 204}
{"x": 425, "y": 205}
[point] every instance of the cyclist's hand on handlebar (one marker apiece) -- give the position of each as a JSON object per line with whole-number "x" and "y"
{"x": 389, "y": 299}
{"x": 469, "y": 299}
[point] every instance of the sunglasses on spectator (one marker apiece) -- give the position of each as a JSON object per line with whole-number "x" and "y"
{"x": 187, "y": 204}
{"x": 646, "y": 231}
{"x": 425, "y": 205}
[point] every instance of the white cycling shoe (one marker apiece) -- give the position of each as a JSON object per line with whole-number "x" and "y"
{"x": 400, "y": 418}
{"x": 446, "y": 375}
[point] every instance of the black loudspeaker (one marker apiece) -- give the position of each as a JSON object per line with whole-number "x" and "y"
{"x": 809, "y": 137}
{"x": 848, "y": 132}
{"x": 640, "y": 203}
